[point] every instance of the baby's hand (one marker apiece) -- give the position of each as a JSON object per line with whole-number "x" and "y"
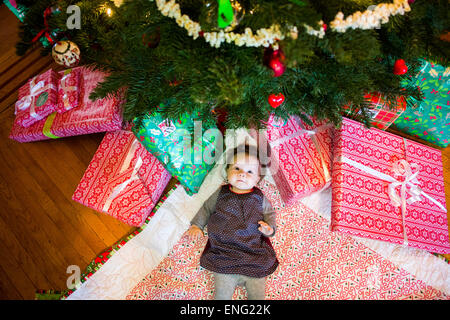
{"x": 265, "y": 228}
{"x": 194, "y": 232}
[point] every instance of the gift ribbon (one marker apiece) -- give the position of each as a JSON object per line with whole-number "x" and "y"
{"x": 46, "y": 30}
{"x": 134, "y": 175}
{"x": 29, "y": 100}
{"x": 312, "y": 134}
{"x": 66, "y": 89}
{"x": 48, "y": 125}
{"x": 409, "y": 185}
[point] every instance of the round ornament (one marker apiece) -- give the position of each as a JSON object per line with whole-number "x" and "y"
{"x": 274, "y": 59}
{"x": 66, "y": 53}
{"x": 400, "y": 67}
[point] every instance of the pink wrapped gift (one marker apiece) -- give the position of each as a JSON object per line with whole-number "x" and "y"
{"x": 37, "y": 98}
{"x": 123, "y": 179}
{"x": 300, "y": 163}
{"x": 89, "y": 117}
{"x": 388, "y": 188}
{"x": 69, "y": 90}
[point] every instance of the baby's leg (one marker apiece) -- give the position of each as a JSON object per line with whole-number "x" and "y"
{"x": 225, "y": 285}
{"x": 256, "y": 288}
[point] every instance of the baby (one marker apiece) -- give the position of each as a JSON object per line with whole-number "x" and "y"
{"x": 239, "y": 219}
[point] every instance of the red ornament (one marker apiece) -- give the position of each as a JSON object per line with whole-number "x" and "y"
{"x": 276, "y": 100}
{"x": 277, "y": 66}
{"x": 400, "y": 67}
{"x": 274, "y": 60}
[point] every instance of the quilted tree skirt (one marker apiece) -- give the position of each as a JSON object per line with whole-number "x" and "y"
{"x": 315, "y": 263}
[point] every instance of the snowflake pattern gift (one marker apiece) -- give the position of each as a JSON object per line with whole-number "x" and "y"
{"x": 300, "y": 158}
{"x": 37, "y": 98}
{"x": 69, "y": 90}
{"x": 89, "y": 117}
{"x": 123, "y": 179}
{"x": 388, "y": 188}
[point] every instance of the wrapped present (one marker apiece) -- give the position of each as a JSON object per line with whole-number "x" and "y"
{"x": 18, "y": 10}
{"x": 170, "y": 142}
{"x": 299, "y": 160}
{"x": 123, "y": 179}
{"x": 382, "y": 114}
{"x": 430, "y": 118}
{"x": 69, "y": 90}
{"x": 388, "y": 188}
{"x": 89, "y": 117}
{"x": 37, "y": 98}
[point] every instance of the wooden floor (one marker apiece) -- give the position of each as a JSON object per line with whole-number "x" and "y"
{"x": 42, "y": 231}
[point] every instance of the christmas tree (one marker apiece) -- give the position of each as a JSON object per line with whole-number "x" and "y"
{"x": 248, "y": 58}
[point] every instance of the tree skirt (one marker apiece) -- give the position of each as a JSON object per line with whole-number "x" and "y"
{"x": 314, "y": 264}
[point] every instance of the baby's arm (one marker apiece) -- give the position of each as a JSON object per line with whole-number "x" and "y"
{"x": 200, "y": 220}
{"x": 268, "y": 226}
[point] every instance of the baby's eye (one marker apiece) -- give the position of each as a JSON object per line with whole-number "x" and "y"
{"x": 236, "y": 168}
{"x": 250, "y": 171}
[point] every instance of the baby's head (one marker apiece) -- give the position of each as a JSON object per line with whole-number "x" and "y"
{"x": 244, "y": 169}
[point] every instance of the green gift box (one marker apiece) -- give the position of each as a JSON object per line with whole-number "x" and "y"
{"x": 186, "y": 148}
{"x": 429, "y": 119}
{"x": 18, "y": 10}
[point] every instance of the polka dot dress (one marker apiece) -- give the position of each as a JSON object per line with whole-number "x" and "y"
{"x": 235, "y": 245}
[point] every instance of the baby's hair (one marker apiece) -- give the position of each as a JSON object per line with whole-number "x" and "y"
{"x": 251, "y": 151}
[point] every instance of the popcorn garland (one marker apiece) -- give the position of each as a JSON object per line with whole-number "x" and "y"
{"x": 369, "y": 19}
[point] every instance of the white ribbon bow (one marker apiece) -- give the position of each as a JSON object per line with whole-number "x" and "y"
{"x": 66, "y": 89}
{"x": 28, "y": 101}
{"x": 408, "y": 185}
{"x": 312, "y": 134}
{"x": 134, "y": 175}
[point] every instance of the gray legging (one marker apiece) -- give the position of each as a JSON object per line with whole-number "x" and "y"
{"x": 226, "y": 284}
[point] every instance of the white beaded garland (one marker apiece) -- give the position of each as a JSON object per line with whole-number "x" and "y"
{"x": 265, "y": 37}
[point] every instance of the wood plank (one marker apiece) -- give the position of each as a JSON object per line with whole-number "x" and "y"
{"x": 8, "y": 290}
{"x": 30, "y": 222}
{"x": 19, "y": 256}
{"x": 56, "y": 178}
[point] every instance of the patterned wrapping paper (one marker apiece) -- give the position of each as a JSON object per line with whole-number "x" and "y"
{"x": 90, "y": 117}
{"x": 18, "y": 10}
{"x": 165, "y": 140}
{"x": 300, "y": 163}
{"x": 382, "y": 115}
{"x": 430, "y": 119}
{"x": 315, "y": 264}
{"x": 123, "y": 179}
{"x": 37, "y": 98}
{"x": 361, "y": 205}
{"x": 69, "y": 89}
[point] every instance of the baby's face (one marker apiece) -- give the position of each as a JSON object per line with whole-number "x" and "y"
{"x": 243, "y": 174}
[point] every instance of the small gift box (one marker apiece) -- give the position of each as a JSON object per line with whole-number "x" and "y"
{"x": 69, "y": 90}
{"x": 18, "y": 9}
{"x": 382, "y": 114}
{"x": 89, "y": 117}
{"x": 37, "y": 98}
{"x": 430, "y": 118}
{"x": 123, "y": 179}
{"x": 300, "y": 160}
{"x": 388, "y": 188}
{"x": 170, "y": 141}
